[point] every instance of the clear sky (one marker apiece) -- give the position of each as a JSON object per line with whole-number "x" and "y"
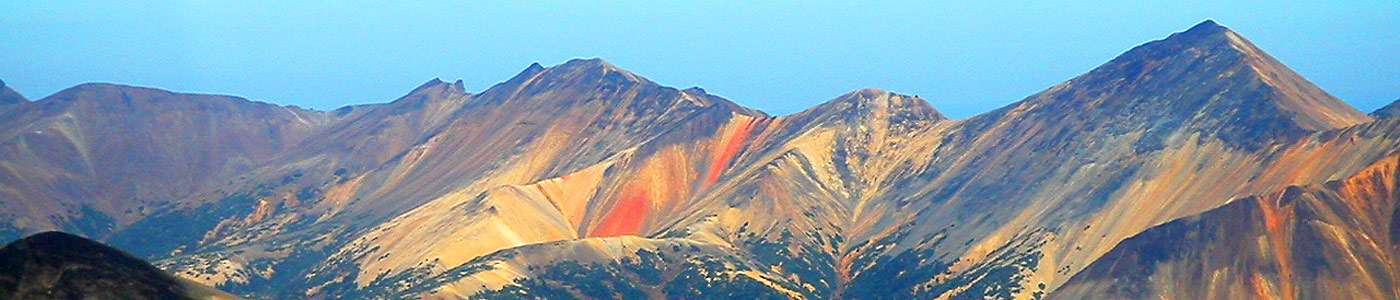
{"x": 965, "y": 57}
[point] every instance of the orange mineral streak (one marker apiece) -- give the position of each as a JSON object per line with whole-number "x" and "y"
{"x": 1277, "y": 222}
{"x": 1375, "y": 182}
{"x": 729, "y": 145}
{"x": 626, "y": 216}
{"x": 1261, "y": 287}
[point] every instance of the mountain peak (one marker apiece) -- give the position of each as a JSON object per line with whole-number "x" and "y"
{"x": 866, "y": 93}
{"x": 1207, "y": 23}
{"x": 595, "y": 67}
{"x": 1208, "y": 79}
{"x": 575, "y": 71}
{"x": 107, "y": 87}
{"x": 883, "y": 98}
{"x": 1204, "y": 35}
{"x": 102, "y": 92}
{"x": 1207, "y": 37}
{"x": 56, "y": 242}
{"x": 582, "y": 81}
{"x": 438, "y": 86}
{"x": 588, "y": 62}
{"x": 528, "y": 73}
{"x": 531, "y": 70}
{"x": 587, "y": 73}
{"x": 876, "y": 101}
{"x": 10, "y": 96}
{"x": 1204, "y": 29}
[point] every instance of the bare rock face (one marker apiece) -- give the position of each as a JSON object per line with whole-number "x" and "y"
{"x": 583, "y": 180}
{"x": 56, "y": 265}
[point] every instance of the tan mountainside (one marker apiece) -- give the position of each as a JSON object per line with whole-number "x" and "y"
{"x": 529, "y": 128}
{"x": 1019, "y": 238}
{"x": 862, "y": 227}
{"x": 583, "y": 180}
{"x": 574, "y": 126}
{"x": 688, "y": 192}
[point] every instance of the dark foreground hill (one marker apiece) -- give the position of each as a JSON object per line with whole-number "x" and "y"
{"x": 56, "y": 265}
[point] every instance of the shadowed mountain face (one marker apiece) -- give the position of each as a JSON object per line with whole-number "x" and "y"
{"x": 1389, "y": 111}
{"x": 56, "y": 265}
{"x": 583, "y": 180}
{"x": 1335, "y": 240}
{"x": 92, "y": 158}
{"x": 9, "y": 96}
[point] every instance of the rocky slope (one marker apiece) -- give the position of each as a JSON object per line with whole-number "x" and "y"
{"x": 56, "y": 265}
{"x": 583, "y": 180}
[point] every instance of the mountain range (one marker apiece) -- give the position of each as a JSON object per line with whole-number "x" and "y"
{"x": 1192, "y": 167}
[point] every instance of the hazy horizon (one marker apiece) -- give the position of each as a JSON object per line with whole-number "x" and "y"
{"x": 786, "y": 57}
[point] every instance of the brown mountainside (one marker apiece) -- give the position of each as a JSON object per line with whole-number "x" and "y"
{"x": 1335, "y": 240}
{"x": 92, "y": 158}
{"x": 1054, "y": 180}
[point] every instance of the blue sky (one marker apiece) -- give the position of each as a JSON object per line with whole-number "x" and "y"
{"x": 965, "y": 57}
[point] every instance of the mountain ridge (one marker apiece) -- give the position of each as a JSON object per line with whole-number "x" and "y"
{"x": 586, "y": 170}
